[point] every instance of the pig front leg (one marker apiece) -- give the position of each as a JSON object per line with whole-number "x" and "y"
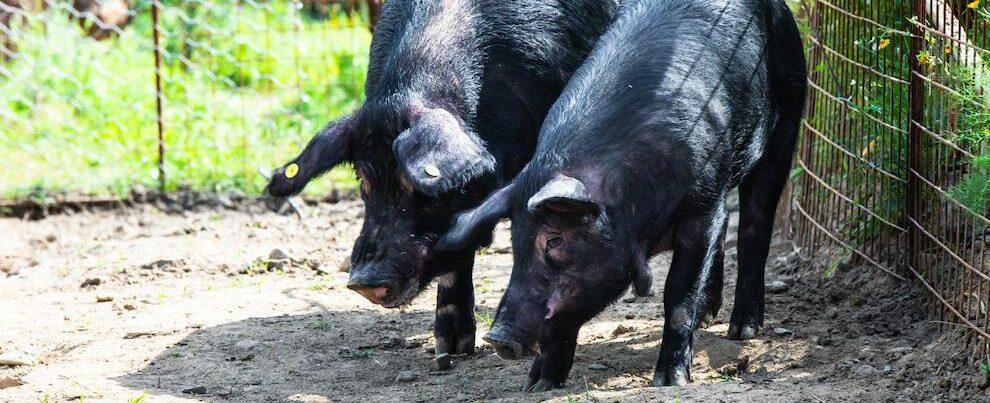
{"x": 556, "y": 357}
{"x": 454, "y": 327}
{"x": 696, "y": 249}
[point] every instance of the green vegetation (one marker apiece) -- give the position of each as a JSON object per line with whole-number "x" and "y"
{"x": 863, "y": 107}
{"x": 245, "y": 86}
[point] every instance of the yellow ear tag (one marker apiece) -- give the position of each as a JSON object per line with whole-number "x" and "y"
{"x": 291, "y": 171}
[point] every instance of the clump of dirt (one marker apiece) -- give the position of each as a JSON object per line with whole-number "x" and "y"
{"x": 241, "y": 304}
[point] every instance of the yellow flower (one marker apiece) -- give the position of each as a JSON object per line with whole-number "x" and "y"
{"x": 883, "y": 44}
{"x": 973, "y": 5}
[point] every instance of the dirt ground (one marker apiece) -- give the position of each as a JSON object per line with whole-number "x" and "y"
{"x": 135, "y": 304}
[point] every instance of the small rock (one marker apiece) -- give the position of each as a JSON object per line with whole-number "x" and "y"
{"x": 15, "y": 359}
{"x": 781, "y": 332}
{"x": 51, "y": 238}
{"x": 899, "y": 350}
{"x": 130, "y": 307}
{"x": 776, "y": 287}
{"x": 823, "y": 340}
{"x": 865, "y": 370}
{"x": 620, "y": 330}
{"x": 134, "y": 335}
{"x": 629, "y": 300}
{"x": 394, "y": 342}
{"x": 598, "y": 367}
{"x": 91, "y": 282}
{"x": 9, "y": 382}
{"x": 630, "y": 316}
{"x": 728, "y": 369}
{"x": 430, "y": 350}
{"x": 742, "y": 364}
{"x": 196, "y": 390}
{"x": 278, "y": 254}
{"x": 944, "y": 383}
{"x": 345, "y": 265}
{"x": 406, "y": 376}
{"x": 247, "y": 345}
{"x": 441, "y": 362}
{"x": 103, "y": 298}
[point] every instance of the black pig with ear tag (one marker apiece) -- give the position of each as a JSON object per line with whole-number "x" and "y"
{"x": 455, "y": 96}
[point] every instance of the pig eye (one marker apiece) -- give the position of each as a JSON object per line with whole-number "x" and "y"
{"x": 554, "y": 243}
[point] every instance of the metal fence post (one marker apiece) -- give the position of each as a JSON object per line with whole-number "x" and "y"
{"x": 155, "y": 4}
{"x": 917, "y": 95}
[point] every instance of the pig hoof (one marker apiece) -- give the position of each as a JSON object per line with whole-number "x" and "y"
{"x": 744, "y": 332}
{"x": 542, "y": 385}
{"x": 708, "y": 320}
{"x": 456, "y": 345}
{"x": 671, "y": 377}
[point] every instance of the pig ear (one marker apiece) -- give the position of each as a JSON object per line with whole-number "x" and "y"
{"x": 471, "y": 224}
{"x": 564, "y": 197}
{"x": 439, "y": 155}
{"x": 327, "y": 149}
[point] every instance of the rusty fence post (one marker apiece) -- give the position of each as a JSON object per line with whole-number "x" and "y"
{"x": 155, "y": 5}
{"x": 917, "y": 96}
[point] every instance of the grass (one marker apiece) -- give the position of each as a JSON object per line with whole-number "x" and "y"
{"x": 961, "y": 115}
{"x": 484, "y": 316}
{"x": 244, "y": 86}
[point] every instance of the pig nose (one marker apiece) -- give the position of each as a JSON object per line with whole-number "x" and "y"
{"x": 505, "y": 347}
{"x": 375, "y": 290}
{"x": 376, "y": 295}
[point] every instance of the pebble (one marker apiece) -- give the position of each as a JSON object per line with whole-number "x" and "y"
{"x": 247, "y": 345}
{"x": 104, "y": 298}
{"x": 15, "y": 359}
{"x": 196, "y": 390}
{"x": 899, "y": 350}
{"x": 779, "y": 331}
{"x": 130, "y": 307}
{"x": 278, "y": 254}
{"x": 407, "y": 376}
{"x": 865, "y": 370}
{"x": 90, "y": 282}
{"x": 823, "y": 340}
{"x": 441, "y": 362}
{"x": 345, "y": 265}
{"x": 9, "y": 382}
{"x": 598, "y": 367}
{"x": 776, "y": 287}
{"x": 620, "y": 330}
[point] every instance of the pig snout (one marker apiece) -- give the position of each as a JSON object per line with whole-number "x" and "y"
{"x": 371, "y": 287}
{"x": 506, "y": 344}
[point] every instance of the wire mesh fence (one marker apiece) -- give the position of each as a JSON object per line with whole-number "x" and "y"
{"x": 241, "y": 83}
{"x": 895, "y": 156}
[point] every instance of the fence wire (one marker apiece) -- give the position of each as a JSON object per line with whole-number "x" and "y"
{"x": 895, "y": 152}
{"x": 242, "y": 84}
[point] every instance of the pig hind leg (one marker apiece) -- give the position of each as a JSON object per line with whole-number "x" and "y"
{"x": 454, "y": 327}
{"x": 696, "y": 247}
{"x": 716, "y": 280}
{"x": 759, "y": 193}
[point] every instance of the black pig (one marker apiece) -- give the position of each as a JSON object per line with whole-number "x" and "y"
{"x": 456, "y": 93}
{"x": 679, "y": 102}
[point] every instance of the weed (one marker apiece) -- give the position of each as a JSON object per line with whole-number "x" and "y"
{"x": 484, "y": 316}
